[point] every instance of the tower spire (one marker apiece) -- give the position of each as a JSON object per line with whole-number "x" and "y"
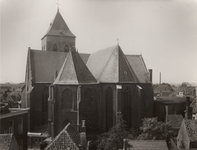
{"x": 57, "y": 5}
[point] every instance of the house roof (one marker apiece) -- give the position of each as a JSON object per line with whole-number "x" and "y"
{"x": 139, "y": 67}
{"x": 163, "y": 87}
{"x": 148, "y": 144}
{"x": 74, "y": 71}
{"x": 66, "y": 138}
{"x": 191, "y": 129}
{"x": 170, "y": 100}
{"x": 43, "y": 65}
{"x": 5, "y": 141}
{"x": 111, "y": 65}
{"x": 59, "y": 27}
{"x": 174, "y": 120}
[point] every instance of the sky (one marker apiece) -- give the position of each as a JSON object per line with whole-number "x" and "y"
{"x": 164, "y": 32}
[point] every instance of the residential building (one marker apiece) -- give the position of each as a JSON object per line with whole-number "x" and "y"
{"x": 14, "y": 121}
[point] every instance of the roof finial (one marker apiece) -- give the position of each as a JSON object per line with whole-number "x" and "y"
{"x": 117, "y": 41}
{"x": 57, "y": 5}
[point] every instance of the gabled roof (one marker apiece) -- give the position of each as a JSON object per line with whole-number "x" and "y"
{"x": 67, "y": 138}
{"x": 8, "y": 142}
{"x": 139, "y": 67}
{"x": 111, "y": 65}
{"x": 59, "y": 27}
{"x": 74, "y": 71}
{"x": 148, "y": 145}
{"x": 164, "y": 87}
{"x": 43, "y": 65}
{"x": 189, "y": 128}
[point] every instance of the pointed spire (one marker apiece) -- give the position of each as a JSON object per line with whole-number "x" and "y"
{"x": 59, "y": 27}
{"x": 58, "y": 5}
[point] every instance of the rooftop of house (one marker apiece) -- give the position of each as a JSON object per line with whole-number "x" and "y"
{"x": 66, "y": 138}
{"x": 163, "y": 87}
{"x": 5, "y": 141}
{"x": 171, "y": 100}
{"x": 147, "y": 145}
{"x": 191, "y": 128}
{"x": 14, "y": 112}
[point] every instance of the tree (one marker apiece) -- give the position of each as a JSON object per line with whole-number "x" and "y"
{"x": 154, "y": 130}
{"x": 113, "y": 139}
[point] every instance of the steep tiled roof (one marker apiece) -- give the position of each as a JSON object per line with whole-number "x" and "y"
{"x": 111, "y": 65}
{"x": 191, "y": 126}
{"x": 8, "y": 142}
{"x": 67, "y": 138}
{"x": 43, "y": 65}
{"x": 59, "y": 27}
{"x": 147, "y": 145}
{"x": 139, "y": 67}
{"x": 171, "y": 100}
{"x": 164, "y": 87}
{"x": 174, "y": 120}
{"x": 74, "y": 71}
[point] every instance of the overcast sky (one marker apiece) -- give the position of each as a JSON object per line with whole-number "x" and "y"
{"x": 163, "y": 31}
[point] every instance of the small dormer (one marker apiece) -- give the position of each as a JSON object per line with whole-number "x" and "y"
{"x": 58, "y": 37}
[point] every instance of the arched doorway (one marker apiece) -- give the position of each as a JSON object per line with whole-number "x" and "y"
{"x": 127, "y": 107}
{"x": 109, "y": 108}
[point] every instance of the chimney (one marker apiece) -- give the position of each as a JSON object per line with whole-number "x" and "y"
{"x": 151, "y": 74}
{"x": 160, "y": 78}
{"x": 188, "y": 113}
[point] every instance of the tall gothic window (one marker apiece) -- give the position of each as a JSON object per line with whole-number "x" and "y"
{"x": 66, "y": 48}
{"x": 126, "y": 107}
{"x": 55, "y": 47}
{"x": 67, "y": 99}
{"x": 109, "y": 108}
{"x": 45, "y": 96}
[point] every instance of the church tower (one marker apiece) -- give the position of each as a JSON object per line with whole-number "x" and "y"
{"x": 58, "y": 37}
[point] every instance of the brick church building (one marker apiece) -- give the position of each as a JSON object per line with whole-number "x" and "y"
{"x": 63, "y": 85}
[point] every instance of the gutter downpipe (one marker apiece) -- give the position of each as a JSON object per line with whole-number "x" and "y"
{"x": 51, "y": 117}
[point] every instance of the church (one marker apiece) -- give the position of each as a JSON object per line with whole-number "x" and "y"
{"x": 65, "y": 86}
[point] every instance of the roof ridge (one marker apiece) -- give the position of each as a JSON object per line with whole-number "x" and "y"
{"x": 129, "y": 66}
{"x": 105, "y": 65}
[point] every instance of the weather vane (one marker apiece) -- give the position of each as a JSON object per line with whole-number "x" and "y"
{"x": 117, "y": 41}
{"x": 57, "y": 5}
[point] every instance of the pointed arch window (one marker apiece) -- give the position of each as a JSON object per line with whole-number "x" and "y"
{"x": 127, "y": 106}
{"x": 109, "y": 108}
{"x": 66, "y": 48}
{"x": 67, "y": 99}
{"x": 55, "y": 47}
{"x": 45, "y": 95}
